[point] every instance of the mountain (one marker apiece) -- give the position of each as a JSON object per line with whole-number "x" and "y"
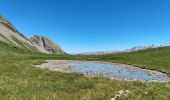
{"x": 99, "y": 52}
{"x": 137, "y": 48}
{"x": 45, "y": 45}
{"x": 10, "y": 26}
{"x": 10, "y": 35}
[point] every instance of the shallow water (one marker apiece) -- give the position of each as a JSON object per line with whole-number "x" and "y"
{"x": 108, "y": 70}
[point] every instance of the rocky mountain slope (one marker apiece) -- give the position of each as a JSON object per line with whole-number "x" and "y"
{"x": 9, "y": 34}
{"x": 45, "y": 45}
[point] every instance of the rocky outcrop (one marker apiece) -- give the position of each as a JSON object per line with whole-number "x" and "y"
{"x": 45, "y": 45}
{"x": 6, "y": 23}
{"x": 9, "y": 34}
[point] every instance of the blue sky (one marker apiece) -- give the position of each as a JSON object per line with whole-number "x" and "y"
{"x": 92, "y": 25}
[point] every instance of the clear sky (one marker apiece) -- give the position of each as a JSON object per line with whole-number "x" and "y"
{"x": 92, "y": 25}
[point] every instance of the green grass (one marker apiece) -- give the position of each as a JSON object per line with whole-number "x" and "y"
{"x": 6, "y": 39}
{"x": 23, "y": 45}
{"x": 157, "y": 59}
{"x": 21, "y": 80}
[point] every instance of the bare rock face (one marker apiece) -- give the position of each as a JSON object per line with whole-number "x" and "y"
{"x": 45, "y": 45}
{"x": 6, "y": 23}
{"x": 10, "y": 35}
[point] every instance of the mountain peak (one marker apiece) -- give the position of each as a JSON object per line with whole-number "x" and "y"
{"x": 45, "y": 45}
{"x": 9, "y": 34}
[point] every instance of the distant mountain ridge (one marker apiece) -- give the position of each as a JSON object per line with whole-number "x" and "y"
{"x": 9, "y": 34}
{"x": 136, "y": 48}
{"x": 100, "y": 52}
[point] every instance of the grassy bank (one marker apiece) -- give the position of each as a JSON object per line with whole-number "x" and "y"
{"x": 153, "y": 58}
{"x": 20, "y": 80}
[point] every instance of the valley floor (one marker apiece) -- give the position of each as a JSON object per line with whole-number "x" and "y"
{"x": 21, "y": 80}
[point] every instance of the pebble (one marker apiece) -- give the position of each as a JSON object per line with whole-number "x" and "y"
{"x": 110, "y": 70}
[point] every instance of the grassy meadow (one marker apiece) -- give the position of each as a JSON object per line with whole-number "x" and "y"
{"x": 21, "y": 80}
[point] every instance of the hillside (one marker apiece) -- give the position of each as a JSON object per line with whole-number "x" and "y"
{"x": 45, "y": 45}
{"x": 9, "y": 34}
{"x": 151, "y": 58}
